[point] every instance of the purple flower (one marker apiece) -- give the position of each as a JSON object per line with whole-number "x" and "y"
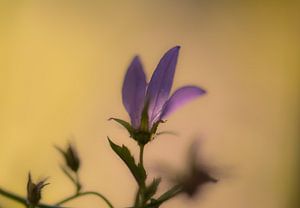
{"x": 148, "y": 104}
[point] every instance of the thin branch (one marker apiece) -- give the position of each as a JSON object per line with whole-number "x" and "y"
{"x": 174, "y": 191}
{"x": 21, "y": 200}
{"x": 86, "y": 193}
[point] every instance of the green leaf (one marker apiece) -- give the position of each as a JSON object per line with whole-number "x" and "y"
{"x": 152, "y": 188}
{"x": 125, "y": 124}
{"x": 137, "y": 171}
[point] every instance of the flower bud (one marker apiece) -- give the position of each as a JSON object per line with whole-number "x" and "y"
{"x": 71, "y": 157}
{"x": 34, "y": 191}
{"x": 196, "y": 175}
{"x": 195, "y": 181}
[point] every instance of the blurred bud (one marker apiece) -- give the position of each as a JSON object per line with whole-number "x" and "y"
{"x": 34, "y": 191}
{"x": 194, "y": 177}
{"x": 197, "y": 175}
{"x": 71, "y": 157}
{"x": 193, "y": 182}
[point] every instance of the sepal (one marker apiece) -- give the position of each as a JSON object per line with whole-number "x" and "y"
{"x": 155, "y": 126}
{"x": 125, "y": 124}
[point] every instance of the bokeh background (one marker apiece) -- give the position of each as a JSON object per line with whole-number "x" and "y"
{"x": 61, "y": 70}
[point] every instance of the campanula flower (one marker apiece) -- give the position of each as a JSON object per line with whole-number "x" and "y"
{"x": 148, "y": 104}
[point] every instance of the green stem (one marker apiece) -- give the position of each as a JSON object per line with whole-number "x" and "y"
{"x": 78, "y": 184}
{"x": 86, "y": 193}
{"x": 139, "y": 199}
{"x": 21, "y": 200}
{"x": 142, "y": 155}
{"x": 13, "y": 196}
{"x": 174, "y": 191}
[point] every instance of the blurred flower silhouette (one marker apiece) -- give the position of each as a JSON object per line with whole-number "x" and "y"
{"x": 194, "y": 178}
{"x": 34, "y": 191}
{"x": 71, "y": 157}
{"x": 72, "y": 165}
{"x": 149, "y": 104}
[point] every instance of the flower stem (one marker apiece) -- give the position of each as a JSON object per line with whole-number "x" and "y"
{"x": 174, "y": 191}
{"x": 86, "y": 193}
{"x": 77, "y": 184}
{"x": 21, "y": 200}
{"x": 142, "y": 155}
{"x": 13, "y": 196}
{"x": 139, "y": 198}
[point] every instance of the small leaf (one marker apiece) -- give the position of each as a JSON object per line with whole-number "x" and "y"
{"x": 152, "y": 188}
{"x": 137, "y": 171}
{"x": 125, "y": 124}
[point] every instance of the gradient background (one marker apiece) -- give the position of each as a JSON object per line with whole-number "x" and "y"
{"x": 61, "y": 69}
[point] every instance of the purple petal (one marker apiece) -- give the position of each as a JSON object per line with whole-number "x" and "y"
{"x": 133, "y": 91}
{"x": 161, "y": 83}
{"x": 179, "y": 98}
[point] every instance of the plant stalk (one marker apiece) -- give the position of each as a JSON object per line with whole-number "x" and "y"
{"x": 80, "y": 194}
{"x": 139, "y": 199}
{"x": 21, "y": 200}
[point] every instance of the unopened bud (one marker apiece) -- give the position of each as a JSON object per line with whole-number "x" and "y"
{"x": 196, "y": 180}
{"x": 34, "y": 191}
{"x": 71, "y": 157}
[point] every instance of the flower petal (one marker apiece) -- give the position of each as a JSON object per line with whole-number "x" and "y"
{"x": 179, "y": 98}
{"x": 161, "y": 83}
{"x": 133, "y": 91}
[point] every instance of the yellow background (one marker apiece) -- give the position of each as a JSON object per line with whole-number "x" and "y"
{"x": 61, "y": 69}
